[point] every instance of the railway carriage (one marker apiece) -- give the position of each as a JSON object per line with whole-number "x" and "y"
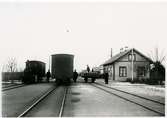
{"x": 34, "y": 72}
{"x": 62, "y": 68}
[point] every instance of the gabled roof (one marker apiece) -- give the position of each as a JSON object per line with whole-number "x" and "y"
{"x": 120, "y": 55}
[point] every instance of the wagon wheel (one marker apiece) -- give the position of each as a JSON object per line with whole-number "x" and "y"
{"x": 86, "y": 79}
{"x": 93, "y": 80}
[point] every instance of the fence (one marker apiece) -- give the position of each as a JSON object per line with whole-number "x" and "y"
{"x": 10, "y": 76}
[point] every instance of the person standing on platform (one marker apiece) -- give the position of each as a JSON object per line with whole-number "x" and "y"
{"x": 106, "y": 78}
{"x": 88, "y": 69}
{"x": 75, "y": 76}
{"x": 48, "y": 75}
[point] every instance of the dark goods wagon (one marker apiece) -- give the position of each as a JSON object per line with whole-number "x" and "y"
{"x": 92, "y": 75}
{"x": 62, "y": 68}
{"x": 34, "y": 72}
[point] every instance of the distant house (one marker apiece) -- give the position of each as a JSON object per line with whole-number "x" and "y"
{"x": 121, "y": 66}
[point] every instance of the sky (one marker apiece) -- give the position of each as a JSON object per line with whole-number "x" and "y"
{"x": 88, "y": 30}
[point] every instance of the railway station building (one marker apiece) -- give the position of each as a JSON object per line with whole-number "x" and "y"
{"x": 127, "y": 65}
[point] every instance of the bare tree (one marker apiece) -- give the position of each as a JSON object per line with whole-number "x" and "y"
{"x": 157, "y": 57}
{"x": 11, "y": 65}
{"x": 157, "y": 68}
{"x": 9, "y": 68}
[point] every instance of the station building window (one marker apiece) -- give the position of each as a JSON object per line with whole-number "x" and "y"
{"x": 130, "y": 57}
{"x": 141, "y": 71}
{"x": 123, "y": 71}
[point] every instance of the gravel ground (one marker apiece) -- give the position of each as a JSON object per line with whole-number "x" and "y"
{"x": 149, "y": 91}
{"x": 154, "y": 92}
{"x": 84, "y": 100}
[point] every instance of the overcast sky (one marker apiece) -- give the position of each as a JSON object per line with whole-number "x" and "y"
{"x": 37, "y": 30}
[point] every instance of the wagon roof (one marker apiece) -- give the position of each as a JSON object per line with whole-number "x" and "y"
{"x": 63, "y": 54}
{"x": 35, "y": 61}
{"x": 120, "y": 55}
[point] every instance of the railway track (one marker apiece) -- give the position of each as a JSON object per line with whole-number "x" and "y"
{"x": 12, "y": 87}
{"x": 8, "y": 85}
{"x": 63, "y": 103}
{"x": 42, "y": 98}
{"x": 131, "y": 94}
{"x": 146, "y": 103}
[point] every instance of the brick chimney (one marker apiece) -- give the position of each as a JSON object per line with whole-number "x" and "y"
{"x": 121, "y": 50}
{"x": 126, "y": 48}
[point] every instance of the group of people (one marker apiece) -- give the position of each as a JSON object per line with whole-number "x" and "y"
{"x": 75, "y": 75}
{"x": 105, "y": 75}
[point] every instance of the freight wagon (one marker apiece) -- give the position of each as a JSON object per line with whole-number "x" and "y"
{"x": 34, "y": 72}
{"x": 62, "y": 68}
{"x": 92, "y": 75}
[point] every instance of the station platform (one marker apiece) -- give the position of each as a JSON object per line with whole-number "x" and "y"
{"x": 84, "y": 100}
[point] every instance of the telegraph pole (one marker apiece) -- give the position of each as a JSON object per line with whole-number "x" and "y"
{"x": 49, "y": 62}
{"x": 132, "y": 63}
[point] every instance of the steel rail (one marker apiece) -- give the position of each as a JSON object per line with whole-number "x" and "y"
{"x": 131, "y": 94}
{"x": 12, "y": 87}
{"x": 162, "y": 114}
{"x": 35, "y": 103}
{"x": 6, "y": 86}
{"x": 63, "y": 103}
